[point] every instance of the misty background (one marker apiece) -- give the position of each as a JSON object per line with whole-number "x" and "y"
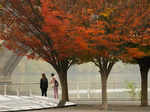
{"x": 30, "y": 71}
{"x": 84, "y": 80}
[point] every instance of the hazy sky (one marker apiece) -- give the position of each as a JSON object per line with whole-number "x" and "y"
{"x": 40, "y": 66}
{"x": 34, "y": 67}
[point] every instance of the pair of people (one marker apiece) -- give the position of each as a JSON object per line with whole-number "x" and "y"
{"x": 44, "y": 85}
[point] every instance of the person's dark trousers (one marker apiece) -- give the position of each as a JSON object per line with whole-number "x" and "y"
{"x": 44, "y": 92}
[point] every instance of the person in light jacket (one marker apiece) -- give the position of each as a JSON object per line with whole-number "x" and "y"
{"x": 54, "y": 83}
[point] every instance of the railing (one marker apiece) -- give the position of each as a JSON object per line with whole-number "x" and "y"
{"x": 17, "y": 88}
{"x": 77, "y": 90}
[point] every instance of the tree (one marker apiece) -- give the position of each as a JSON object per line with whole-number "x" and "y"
{"x": 135, "y": 42}
{"x": 144, "y": 68}
{"x": 94, "y": 30}
{"x": 40, "y": 32}
{"x": 128, "y": 28}
{"x": 118, "y": 30}
{"x": 82, "y": 31}
{"x": 46, "y": 43}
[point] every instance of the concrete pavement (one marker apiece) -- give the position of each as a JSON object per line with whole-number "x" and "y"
{"x": 118, "y": 106}
{"x": 45, "y": 104}
{"x": 20, "y": 103}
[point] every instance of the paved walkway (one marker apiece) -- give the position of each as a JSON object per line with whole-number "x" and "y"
{"x": 114, "y": 106}
{"x": 15, "y": 103}
{"x": 44, "y": 104}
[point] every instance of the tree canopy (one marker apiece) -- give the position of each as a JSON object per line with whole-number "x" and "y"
{"x": 65, "y": 32}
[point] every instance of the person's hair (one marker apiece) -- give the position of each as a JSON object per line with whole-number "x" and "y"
{"x": 52, "y": 74}
{"x": 43, "y": 75}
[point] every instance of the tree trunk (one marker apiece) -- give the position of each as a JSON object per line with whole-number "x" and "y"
{"x": 144, "y": 85}
{"x": 64, "y": 87}
{"x": 105, "y": 66}
{"x": 104, "y": 90}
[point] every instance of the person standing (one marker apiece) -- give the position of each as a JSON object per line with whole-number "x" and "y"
{"x": 55, "y": 85}
{"x": 44, "y": 84}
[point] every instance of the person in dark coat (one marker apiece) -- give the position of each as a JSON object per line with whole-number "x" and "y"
{"x": 44, "y": 84}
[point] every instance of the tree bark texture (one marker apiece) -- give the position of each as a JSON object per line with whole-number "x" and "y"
{"x": 64, "y": 86}
{"x": 144, "y": 85}
{"x": 104, "y": 90}
{"x": 105, "y": 66}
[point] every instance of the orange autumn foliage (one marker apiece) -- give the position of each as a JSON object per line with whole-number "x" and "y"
{"x": 80, "y": 27}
